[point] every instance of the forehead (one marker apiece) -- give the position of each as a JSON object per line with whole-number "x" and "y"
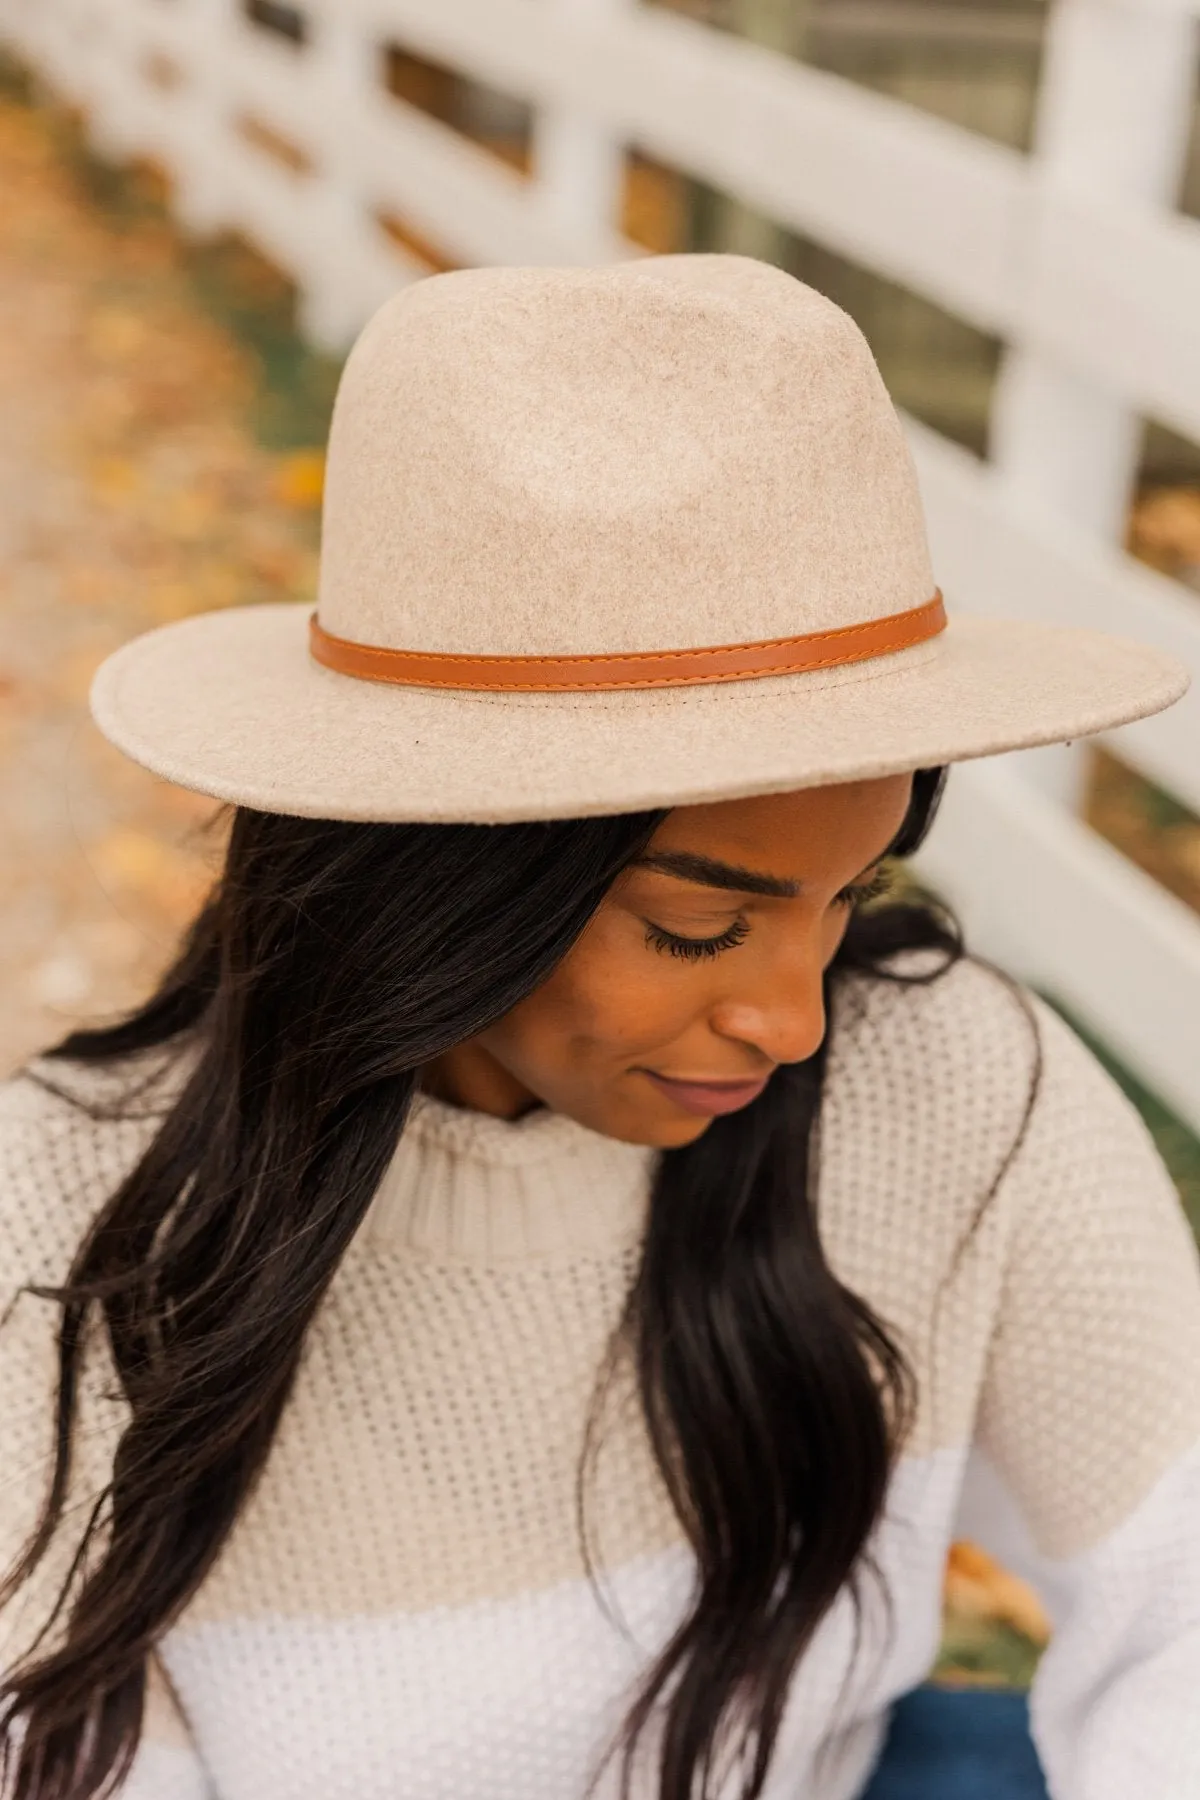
{"x": 793, "y": 833}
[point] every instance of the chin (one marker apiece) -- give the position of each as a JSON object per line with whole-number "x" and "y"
{"x": 630, "y": 1121}
{"x": 661, "y": 1134}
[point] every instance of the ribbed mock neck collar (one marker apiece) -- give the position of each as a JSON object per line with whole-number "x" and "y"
{"x": 464, "y": 1186}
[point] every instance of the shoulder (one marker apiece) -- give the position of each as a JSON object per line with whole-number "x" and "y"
{"x": 969, "y": 1036}
{"x": 971, "y": 1077}
{"x": 58, "y": 1165}
{"x": 989, "y": 1188}
{"x": 936, "y": 1064}
{"x": 69, "y": 1134}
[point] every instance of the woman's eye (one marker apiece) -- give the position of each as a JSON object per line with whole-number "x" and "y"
{"x": 693, "y": 948}
{"x": 855, "y": 894}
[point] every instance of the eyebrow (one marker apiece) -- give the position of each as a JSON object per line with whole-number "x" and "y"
{"x": 708, "y": 871}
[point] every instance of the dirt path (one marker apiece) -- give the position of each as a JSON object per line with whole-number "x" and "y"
{"x": 132, "y": 491}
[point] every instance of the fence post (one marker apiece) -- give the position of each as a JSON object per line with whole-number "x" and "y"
{"x": 578, "y": 165}
{"x": 1113, "y": 120}
{"x": 783, "y": 26}
{"x": 201, "y": 141}
{"x": 1113, "y": 117}
{"x": 336, "y": 289}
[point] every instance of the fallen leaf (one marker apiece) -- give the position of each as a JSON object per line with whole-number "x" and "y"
{"x": 115, "y": 478}
{"x": 1169, "y": 522}
{"x": 299, "y": 479}
{"x": 977, "y": 1585}
{"x": 115, "y": 334}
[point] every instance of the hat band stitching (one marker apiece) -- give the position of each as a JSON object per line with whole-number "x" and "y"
{"x": 631, "y": 668}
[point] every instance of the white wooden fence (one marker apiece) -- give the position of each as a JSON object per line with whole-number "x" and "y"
{"x": 1072, "y": 255}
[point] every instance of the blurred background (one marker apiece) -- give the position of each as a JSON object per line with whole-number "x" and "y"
{"x": 201, "y": 201}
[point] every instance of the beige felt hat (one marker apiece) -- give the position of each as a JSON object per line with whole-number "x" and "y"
{"x": 599, "y": 539}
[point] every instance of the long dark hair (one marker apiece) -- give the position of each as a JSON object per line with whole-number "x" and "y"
{"x": 332, "y": 960}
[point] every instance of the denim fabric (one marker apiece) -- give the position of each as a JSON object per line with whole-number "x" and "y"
{"x": 958, "y": 1744}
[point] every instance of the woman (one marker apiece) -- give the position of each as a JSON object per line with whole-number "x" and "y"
{"x": 523, "y": 1291}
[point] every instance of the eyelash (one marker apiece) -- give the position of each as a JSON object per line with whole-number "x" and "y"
{"x": 692, "y": 949}
{"x": 880, "y": 883}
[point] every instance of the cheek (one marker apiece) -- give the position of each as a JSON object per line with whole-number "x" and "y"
{"x": 608, "y": 998}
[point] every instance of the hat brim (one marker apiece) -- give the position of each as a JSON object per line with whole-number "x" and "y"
{"x": 231, "y": 704}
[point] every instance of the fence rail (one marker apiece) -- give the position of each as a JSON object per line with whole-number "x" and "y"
{"x": 1073, "y": 254}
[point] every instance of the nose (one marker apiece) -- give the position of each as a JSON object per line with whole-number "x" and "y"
{"x": 785, "y": 1024}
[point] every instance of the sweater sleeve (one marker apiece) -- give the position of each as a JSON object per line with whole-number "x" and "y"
{"x": 167, "y": 1765}
{"x": 47, "y": 1190}
{"x": 1089, "y": 1429}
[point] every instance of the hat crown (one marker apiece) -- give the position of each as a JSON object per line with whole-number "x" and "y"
{"x": 665, "y": 453}
{"x": 685, "y": 465}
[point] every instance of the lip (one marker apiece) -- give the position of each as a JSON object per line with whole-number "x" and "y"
{"x": 708, "y": 1099}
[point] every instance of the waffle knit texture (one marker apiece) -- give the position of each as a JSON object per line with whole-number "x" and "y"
{"x": 402, "y": 1611}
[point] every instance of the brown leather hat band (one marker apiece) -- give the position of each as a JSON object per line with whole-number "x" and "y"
{"x": 633, "y": 669}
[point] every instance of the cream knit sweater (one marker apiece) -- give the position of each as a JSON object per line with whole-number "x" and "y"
{"x": 402, "y": 1612}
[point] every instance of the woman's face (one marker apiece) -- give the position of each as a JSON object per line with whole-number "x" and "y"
{"x": 699, "y": 974}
